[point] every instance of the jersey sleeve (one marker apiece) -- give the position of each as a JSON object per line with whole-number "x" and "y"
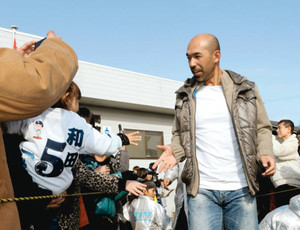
{"x": 99, "y": 143}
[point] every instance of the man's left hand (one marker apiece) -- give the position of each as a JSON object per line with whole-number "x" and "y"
{"x": 268, "y": 163}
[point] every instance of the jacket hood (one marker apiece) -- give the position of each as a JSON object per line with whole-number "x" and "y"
{"x": 295, "y": 205}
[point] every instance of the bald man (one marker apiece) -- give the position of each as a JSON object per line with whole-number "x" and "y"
{"x": 222, "y": 130}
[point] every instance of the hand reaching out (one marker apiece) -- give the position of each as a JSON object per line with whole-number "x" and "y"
{"x": 134, "y": 187}
{"x": 167, "y": 159}
{"x": 133, "y": 138}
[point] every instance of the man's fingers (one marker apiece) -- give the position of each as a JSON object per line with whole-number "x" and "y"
{"x": 270, "y": 169}
{"x": 137, "y": 192}
{"x": 163, "y": 166}
{"x": 172, "y": 166}
{"x": 156, "y": 163}
{"x": 269, "y": 172}
{"x": 166, "y": 185}
{"x": 162, "y": 147}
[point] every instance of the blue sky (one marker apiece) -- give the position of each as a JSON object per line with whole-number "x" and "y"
{"x": 259, "y": 39}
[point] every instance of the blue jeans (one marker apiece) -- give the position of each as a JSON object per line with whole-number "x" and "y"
{"x": 213, "y": 209}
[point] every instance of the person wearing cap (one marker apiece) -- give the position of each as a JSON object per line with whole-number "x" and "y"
{"x": 144, "y": 213}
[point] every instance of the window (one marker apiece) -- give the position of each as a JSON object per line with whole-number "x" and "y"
{"x": 146, "y": 148}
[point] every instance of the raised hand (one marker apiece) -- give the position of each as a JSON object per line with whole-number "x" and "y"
{"x": 27, "y": 48}
{"x": 133, "y": 138}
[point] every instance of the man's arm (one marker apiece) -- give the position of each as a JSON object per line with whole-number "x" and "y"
{"x": 264, "y": 138}
{"x": 32, "y": 82}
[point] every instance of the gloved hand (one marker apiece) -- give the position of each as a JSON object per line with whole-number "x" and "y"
{"x": 124, "y": 139}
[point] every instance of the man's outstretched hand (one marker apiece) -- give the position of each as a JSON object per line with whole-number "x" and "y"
{"x": 167, "y": 159}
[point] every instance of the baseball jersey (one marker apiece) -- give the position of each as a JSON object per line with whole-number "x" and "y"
{"x": 52, "y": 143}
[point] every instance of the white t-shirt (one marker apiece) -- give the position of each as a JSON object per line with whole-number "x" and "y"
{"x": 53, "y": 141}
{"x": 217, "y": 150}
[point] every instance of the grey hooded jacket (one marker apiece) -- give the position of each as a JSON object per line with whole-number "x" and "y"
{"x": 286, "y": 217}
{"x": 250, "y": 120}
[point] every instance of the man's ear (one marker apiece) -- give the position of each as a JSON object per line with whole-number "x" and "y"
{"x": 290, "y": 129}
{"x": 217, "y": 56}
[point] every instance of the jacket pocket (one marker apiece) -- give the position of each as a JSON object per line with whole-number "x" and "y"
{"x": 182, "y": 112}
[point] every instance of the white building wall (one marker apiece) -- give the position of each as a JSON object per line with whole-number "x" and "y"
{"x": 21, "y": 38}
{"x": 111, "y": 84}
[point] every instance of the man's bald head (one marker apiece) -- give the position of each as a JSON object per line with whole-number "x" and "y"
{"x": 206, "y": 40}
{"x": 204, "y": 55}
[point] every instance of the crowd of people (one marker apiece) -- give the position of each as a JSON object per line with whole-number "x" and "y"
{"x": 231, "y": 172}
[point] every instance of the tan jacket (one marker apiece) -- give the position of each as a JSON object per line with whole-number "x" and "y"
{"x": 252, "y": 127}
{"x": 28, "y": 87}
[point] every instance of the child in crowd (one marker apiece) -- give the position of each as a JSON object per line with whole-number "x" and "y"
{"x": 162, "y": 192}
{"x": 102, "y": 209}
{"x": 144, "y": 213}
{"x": 135, "y": 169}
{"x": 54, "y": 139}
{"x": 142, "y": 174}
{"x": 105, "y": 209}
{"x": 154, "y": 174}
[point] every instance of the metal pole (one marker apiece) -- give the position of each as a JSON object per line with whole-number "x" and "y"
{"x": 14, "y": 29}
